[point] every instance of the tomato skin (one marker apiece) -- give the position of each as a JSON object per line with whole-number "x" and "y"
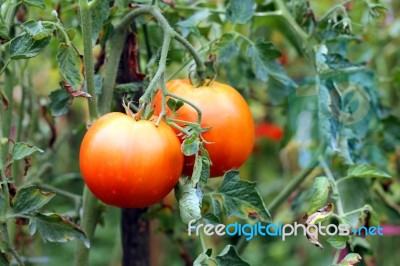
{"x": 231, "y": 137}
{"x": 128, "y": 163}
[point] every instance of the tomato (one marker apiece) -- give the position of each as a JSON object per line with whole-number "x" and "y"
{"x": 269, "y": 131}
{"x": 128, "y": 163}
{"x": 231, "y": 137}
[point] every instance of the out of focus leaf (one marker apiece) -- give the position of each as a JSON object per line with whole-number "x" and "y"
{"x": 338, "y": 241}
{"x": 60, "y": 102}
{"x": 350, "y": 260}
{"x": 366, "y": 171}
{"x": 230, "y": 257}
{"x": 35, "y": 3}
{"x": 100, "y": 14}
{"x": 240, "y": 11}
{"x": 190, "y": 24}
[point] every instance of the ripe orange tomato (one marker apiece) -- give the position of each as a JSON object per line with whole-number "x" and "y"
{"x": 129, "y": 163}
{"x": 231, "y": 137}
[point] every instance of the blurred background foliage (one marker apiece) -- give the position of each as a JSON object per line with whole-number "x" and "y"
{"x": 285, "y": 104}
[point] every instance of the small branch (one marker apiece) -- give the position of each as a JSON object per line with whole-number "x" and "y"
{"x": 74, "y": 197}
{"x": 146, "y": 98}
{"x": 11, "y": 249}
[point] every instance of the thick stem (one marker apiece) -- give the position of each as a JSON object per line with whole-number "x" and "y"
{"x": 114, "y": 50}
{"x": 91, "y": 212}
{"x": 90, "y": 217}
{"x": 86, "y": 25}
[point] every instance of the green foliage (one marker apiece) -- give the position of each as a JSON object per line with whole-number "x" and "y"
{"x": 240, "y": 11}
{"x": 25, "y": 46}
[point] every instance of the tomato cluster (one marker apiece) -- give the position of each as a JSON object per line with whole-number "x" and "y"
{"x": 130, "y": 164}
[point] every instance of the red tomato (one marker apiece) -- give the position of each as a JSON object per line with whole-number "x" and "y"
{"x": 129, "y": 163}
{"x": 269, "y": 131}
{"x": 231, "y": 137}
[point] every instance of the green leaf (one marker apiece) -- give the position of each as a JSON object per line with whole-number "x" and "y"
{"x": 226, "y": 47}
{"x": 338, "y": 242}
{"x": 3, "y": 30}
{"x": 230, "y": 257}
{"x": 4, "y": 258}
{"x": 22, "y": 150}
{"x": 337, "y": 61}
{"x": 36, "y": 3}
{"x": 174, "y": 105}
{"x": 189, "y": 203}
{"x": 263, "y": 55}
{"x": 241, "y": 198}
{"x": 30, "y": 199}
{"x": 60, "y": 102}
{"x": 70, "y": 66}
{"x": 366, "y": 171}
{"x": 55, "y": 228}
{"x": 350, "y": 260}
{"x": 197, "y": 168}
{"x": 205, "y": 167}
{"x": 201, "y": 260}
{"x": 24, "y": 46}
{"x": 100, "y": 14}
{"x": 37, "y": 30}
{"x": 320, "y": 194}
{"x": 240, "y": 11}
{"x": 216, "y": 207}
{"x": 190, "y": 24}
{"x": 190, "y": 146}
{"x": 210, "y": 218}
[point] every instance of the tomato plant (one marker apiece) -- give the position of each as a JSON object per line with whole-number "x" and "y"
{"x": 129, "y": 163}
{"x": 326, "y": 72}
{"x": 230, "y": 137}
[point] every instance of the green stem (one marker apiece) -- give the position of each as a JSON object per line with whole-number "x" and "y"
{"x": 86, "y": 24}
{"x": 11, "y": 249}
{"x": 292, "y": 186}
{"x": 72, "y": 196}
{"x": 90, "y": 217}
{"x": 91, "y": 212}
{"x": 146, "y": 97}
{"x": 335, "y": 190}
{"x": 114, "y": 50}
{"x": 199, "y": 113}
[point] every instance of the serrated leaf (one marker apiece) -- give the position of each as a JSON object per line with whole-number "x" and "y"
{"x": 190, "y": 146}
{"x": 263, "y": 55}
{"x": 226, "y": 47}
{"x": 338, "y": 241}
{"x": 350, "y": 260}
{"x": 37, "y": 30}
{"x": 22, "y": 150}
{"x": 366, "y": 171}
{"x": 174, "y": 105}
{"x": 36, "y": 3}
{"x": 24, "y": 46}
{"x": 30, "y": 199}
{"x": 70, "y": 66}
{"x": 240, "y": 11}
{"x": 60, "y": 102}
{"x": 100, "y": 14}
{"x": 320, "y": 194}
{"x": 190, "y": 24}
{"x": 241, "y": 198}
{"x": 55, "y": 228}
{"x": 230, "y": 257}
{"x": 205, "y": 168}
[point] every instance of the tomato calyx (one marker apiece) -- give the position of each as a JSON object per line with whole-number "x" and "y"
{"x": 144, "y": 112}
